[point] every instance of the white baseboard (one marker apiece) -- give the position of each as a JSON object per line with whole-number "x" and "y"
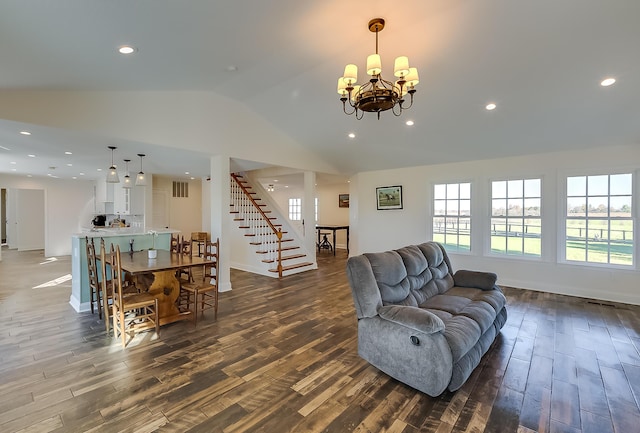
{"x": 78, "y": 306}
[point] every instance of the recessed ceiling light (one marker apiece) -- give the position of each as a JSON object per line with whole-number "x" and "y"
{"x": 69, "y": 165}
{"x": 25, "y": 133}
{"x": 81, "y": 174}
{"x": 68, "y": 153}
{"x": 193, "y": 178}
{"x": 14, "y": 169}
{"x": 186, "y": 172}
{"x": 607, "y": 82}
{"x": 74, "y": 177}
{"x": 232, "y": 68}
{"x": 491, "y": 106}
{"x": 126, "y": 49}
{"x": 275, "y": 180}
{"x": 13, "y": 163}
{"x": 409, "y": 123}
{"x": 352, "y": 135}
{"x": 31, "y": 155}
{"x": 99, "y": 169}
{"x": 29, "y": 175}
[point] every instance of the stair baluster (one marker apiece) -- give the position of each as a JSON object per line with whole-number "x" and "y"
{"x": 260, "y": 225}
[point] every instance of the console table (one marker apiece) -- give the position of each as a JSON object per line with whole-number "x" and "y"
{"x": 333, "y": 229}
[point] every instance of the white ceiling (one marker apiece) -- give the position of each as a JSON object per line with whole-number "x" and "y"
{"x": 541, "y": 62}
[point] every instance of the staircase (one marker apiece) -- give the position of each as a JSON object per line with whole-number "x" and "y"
{"x": 277, "y": 249}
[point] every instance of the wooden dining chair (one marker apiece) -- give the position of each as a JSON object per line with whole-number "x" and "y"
{"x": 132, "y": 313}
{"x": 174, "y": 246}
{"x": 105, "y": 297}
{"x": 92, "y": 272}
{"x": 184, "y": 248}
{"x": 203, "y": 294}
{"x": 102, "y": 278}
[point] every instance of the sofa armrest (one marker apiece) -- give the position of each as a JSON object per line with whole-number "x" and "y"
{"x": 412, "y": 317}
{"x": 475, "y": 279}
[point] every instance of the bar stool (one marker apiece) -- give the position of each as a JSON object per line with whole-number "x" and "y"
{"x": 324, "y": 243}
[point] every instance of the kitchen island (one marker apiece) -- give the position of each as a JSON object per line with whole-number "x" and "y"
{"x": 80, "y": 298}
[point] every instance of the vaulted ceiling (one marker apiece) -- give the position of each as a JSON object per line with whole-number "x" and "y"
{"x": 540, "y": 62}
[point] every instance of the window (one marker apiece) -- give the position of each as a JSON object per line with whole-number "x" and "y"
{"x": 452, "y": 215}
{"x": 599, "y": 222}
{"x": 516, "y": 226}
{"x": 295, "y": 209}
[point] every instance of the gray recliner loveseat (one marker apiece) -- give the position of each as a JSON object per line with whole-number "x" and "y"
{"x": 418, "y": 321}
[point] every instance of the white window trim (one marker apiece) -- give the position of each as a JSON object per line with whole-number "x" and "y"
{"x": 561, "y": 216}
{"x": 474, "y": 239}
{"x": 486, "y": 232}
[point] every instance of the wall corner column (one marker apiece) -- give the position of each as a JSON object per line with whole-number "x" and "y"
{"x": 309, "y": 212}
{"x": 219, "y": 190}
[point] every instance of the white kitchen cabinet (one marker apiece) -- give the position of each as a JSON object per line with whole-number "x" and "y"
{"x": 104, "y": 191}
{"x": 103, "y": 196}
{"x": 121, "y": 200}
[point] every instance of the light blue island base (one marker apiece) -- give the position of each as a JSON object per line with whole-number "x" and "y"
{"x": 80, "y": 298}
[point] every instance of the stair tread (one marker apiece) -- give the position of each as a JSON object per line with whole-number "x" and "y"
{"x": 283, "y": 249}
{"x": 272, "y": 242}
{"x": 294, "y": 256}
{"x": 290, "y": 267}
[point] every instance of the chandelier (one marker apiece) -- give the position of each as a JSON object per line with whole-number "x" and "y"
{"x": 377, "y": 94}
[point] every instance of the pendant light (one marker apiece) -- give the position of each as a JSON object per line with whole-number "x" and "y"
{"x": 126, "y": 182}
{"x": 112, "y": 176}
{"x": 141, "y": 180}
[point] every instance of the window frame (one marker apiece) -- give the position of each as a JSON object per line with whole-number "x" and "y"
{"x": 456, "y": 249}
{"x": 522, "y": 255}
{"x": 295, "y": 208}
{"x": 563, "y": 217}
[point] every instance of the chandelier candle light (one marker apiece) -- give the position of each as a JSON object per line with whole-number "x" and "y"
{"x": 377, "y": 94}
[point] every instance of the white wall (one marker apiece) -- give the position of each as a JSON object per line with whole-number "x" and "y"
{"x": 68, "y": 206}
{"x": 185, "y": 213}
{"x": 376, "y": 230}
{"x": 329, "y": 213}
{"x": 281, "y": 197}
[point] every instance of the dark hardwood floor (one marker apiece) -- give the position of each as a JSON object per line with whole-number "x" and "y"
{"x": 282, "y": 358}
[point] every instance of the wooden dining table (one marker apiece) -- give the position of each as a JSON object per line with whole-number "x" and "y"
{"x": 158, "y": 277}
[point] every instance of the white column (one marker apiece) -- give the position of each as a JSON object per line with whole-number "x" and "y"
{"x": 309, "y": 213}
{"x": 219, "y": 190}
{"x": 354, "y": 214}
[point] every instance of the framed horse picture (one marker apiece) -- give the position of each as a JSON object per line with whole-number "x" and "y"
{"x": 389, "y": 197}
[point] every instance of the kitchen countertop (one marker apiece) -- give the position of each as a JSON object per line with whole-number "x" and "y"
{"x": 123, "y": 231}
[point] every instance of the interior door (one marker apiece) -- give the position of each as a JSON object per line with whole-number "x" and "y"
{"x": 29, "y": 219}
